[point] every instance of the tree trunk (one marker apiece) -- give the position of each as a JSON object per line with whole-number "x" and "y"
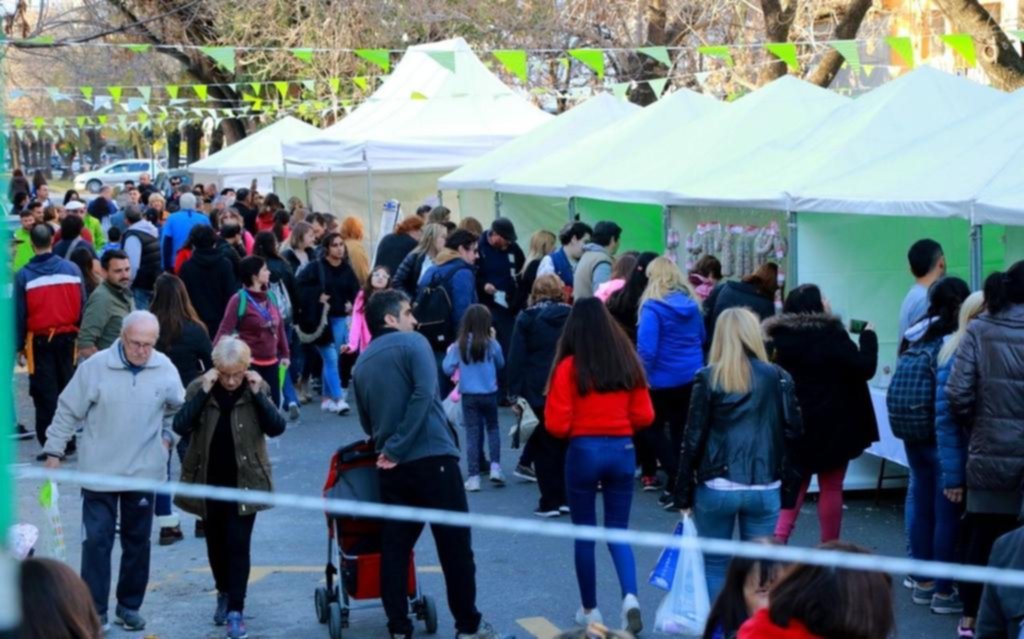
{"x": 777, "y": 23}
{"x": 216, "y": 140}
{"x": 657, "y": 22}
{"x": 1003, "y": 64}
{"x": 15, "y": 149}
{"x": 847, "y": 29}
{"x": 193, "y": 140}
{"x": 95, "y": 147}
{"x": 173, "y": 148}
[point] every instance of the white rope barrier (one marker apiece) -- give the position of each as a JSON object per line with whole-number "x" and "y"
{"x": 786, "y": 554}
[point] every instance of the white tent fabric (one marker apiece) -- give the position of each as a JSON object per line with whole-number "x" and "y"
{"x": 938, "y": 176}
{"x": 867, "y": 130}
{"x": 551, "y": 176}
{"x": 423, "y": 117}
{"x": 569, "y": 127}
{"x": 256, "y": 156}
{"x": 668, "y": 159}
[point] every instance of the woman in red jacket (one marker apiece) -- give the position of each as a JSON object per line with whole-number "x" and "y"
{"x": 597, "y": 398}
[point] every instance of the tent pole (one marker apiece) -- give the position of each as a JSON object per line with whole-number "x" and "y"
{"x": 976, "y": 257}
{"x": 666, "y": 227}
{"x": 440, "y": 198}
{"x": 369, "y": 198}
{"x": 286, "y": 189}
{"x": 572, "y": 209}
{"x": 330, "y": 192}
{"x": 497, "y": 204}
{"x": 793, "y": 276}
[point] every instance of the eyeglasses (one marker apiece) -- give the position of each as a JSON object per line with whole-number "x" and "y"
{"x": 139, "y": 346}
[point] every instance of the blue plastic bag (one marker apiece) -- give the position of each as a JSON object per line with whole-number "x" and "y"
{"x": 665, "y": 569}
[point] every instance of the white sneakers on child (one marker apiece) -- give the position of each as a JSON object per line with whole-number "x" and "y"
{"x": 631, "y": 619}
{"x": 497, "y": 476}
{"x": 473, "y": 484}
{"x": 340, "y": 407}
{"x": 586, "y": 618}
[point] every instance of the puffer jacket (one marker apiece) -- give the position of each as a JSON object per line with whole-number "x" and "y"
{"x": 746, "y": 438}
{"x": 986, "y": 395}
{"x": 532, "y": 350}
{"x": 670, "y": 340}
{"x": 253, "y": 419}
{"x": 951, "y": 439}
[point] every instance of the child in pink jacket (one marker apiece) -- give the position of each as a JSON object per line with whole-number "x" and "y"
{"x": 359, "y": 332}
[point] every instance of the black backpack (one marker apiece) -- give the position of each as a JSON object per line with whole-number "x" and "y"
{"x": 433, "y": 311}
{"x": 911, "y": 395}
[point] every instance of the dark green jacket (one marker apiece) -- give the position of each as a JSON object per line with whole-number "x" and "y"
{"x": 253, "y": 417}
{"x": 104, "y": 311}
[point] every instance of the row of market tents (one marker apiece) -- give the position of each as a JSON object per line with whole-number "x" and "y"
{"x": 850, "y": 182}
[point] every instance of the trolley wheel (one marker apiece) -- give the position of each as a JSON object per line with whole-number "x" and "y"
{"x": 334, "y": 620}
{"x": 321, "y": 603}
{"x": 429, "y": 615}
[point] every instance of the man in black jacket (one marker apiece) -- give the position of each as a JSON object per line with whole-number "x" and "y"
{"x": 500, "y": 261}
{"x": 244, "y": 206}
{"x": 209, "y": 278}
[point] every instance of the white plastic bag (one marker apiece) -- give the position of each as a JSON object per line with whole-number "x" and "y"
{"x": 684, "y": 610}
{"x": 48, "y": 499}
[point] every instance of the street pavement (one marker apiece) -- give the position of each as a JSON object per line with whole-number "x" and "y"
{"x": 526, "y": 584}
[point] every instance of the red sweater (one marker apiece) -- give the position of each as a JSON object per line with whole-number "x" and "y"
{"x": 760, "y": 626}
{"x": 615, "y": 414}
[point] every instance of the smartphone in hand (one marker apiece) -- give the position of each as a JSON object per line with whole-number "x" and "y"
{"x": 857, "y": 326}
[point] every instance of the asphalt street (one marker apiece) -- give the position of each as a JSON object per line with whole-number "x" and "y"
{"x": 526, "y": 584}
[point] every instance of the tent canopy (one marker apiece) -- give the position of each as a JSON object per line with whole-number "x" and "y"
{"x": 670, "y": 157}
{"x": 569, "y": 127}
{"x": 423, "y": 117}
{"x": 551, "y": 176}
{"x": 257, "y": 153}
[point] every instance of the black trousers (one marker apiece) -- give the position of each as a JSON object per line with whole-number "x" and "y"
{"x": 99, "y": 517}
{"x": 504, "y": 321}
{"x": 662, "y": 442}
{"x": 54, "y": 365}
{"x": 980, "y": 532}
{"x": 272, "y": 376}
{"x": 549, "y": 464}
{"x": 432, "y": 482}
{"x": 228, "y": 544}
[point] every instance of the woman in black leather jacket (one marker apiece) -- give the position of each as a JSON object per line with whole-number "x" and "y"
{"x": 744, "y": 418}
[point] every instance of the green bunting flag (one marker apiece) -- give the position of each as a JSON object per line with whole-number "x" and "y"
{"x": 416, "y": 95}
{"x": 102, "y": 119}
{"x": 86, "y": 92}
{"x": 361, "y": 82}
{"x": 81, "y": 120}
{"x": 593, "y": 59}
{"x": 306, "y": 55}
{"x": 848, "y": 49}
{"x": 658, "y": 86}
{"x": 380, "y": 57}
{"x": 514, "y": 61}
{"x": 145, "y": 92}
{"x": 619, "y": 89}
{"x": 963, "y": 44}
{"x": 904, "y": 48}
{"x": 256, "y": 86}
{"x": 445, "y": 58}
{"x": 656, "y": 53}
{"x": 201, "y": 91}
{"x": 38, "y": 122}
{"x": 223, "y": 56}
{"x": 785, "y": 51}
{"x": 115, "y": 92}
{"x": 137, "y": 48}
{"x": 335, "y": 84}
{"x": 19, "y": 122}
{"x": 282, "y": 89}
{"x": 143, "y": 118}
{"x": 172, "y": 90}
{"x": 257, "y": 105}
{"x": 717, "y": 51}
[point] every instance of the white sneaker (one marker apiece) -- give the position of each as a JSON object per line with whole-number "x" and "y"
{"x": 473, "y": 484}
{"x": 631, "y": 619}
{"x": 293, "y": 412}
{"x": 341, "y": 407}
{"x": 586, "y": 618}
{"x": 497, "y": 476}
{"x": 328, "y": 406}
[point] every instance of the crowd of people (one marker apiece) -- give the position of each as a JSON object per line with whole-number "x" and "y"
{"x": 228, "y": 309}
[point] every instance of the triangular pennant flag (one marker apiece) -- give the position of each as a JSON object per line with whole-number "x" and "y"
{"x": 702, "y": 77}
{"x": 445, "y": 58}
{"x": 137, "y": 48}
{"x": 868, "y": 70}
{"x": 80, "y": 120}
{"x": 172, "y": 90}
{"x": 282, "y": 88}
{"x": 335, "y": 84}
{"x": 56, "y": 95}
{"x": 19, "y": 122}
{"x": 77, "y": 131}
{"x": 102, "y": 119}
{"x": 309, "y": 85}
{"x": 223, "y": 56}
{"x": 718, "y": 51}
{"x": 38, "y": 122}
{"x": 361, "y": 82}
{"x": 963, "y": 44}
{"x": 658, "y": 86}
{"x": 248, "y": 98}
{"x": 161, "y": 117}
{"x": 145, "y": 107}
{"x": 115, "y": 92}
{"x": 380, "y": 57}
{"x": 657, "y": 53}
{"x": 904, "y": 48}
{"x": 785, "y": 51}
{"x": 593, "y": 59}
{"x": 848, "y": 49}
{"x": 514, "y": 61}
{"x": 143, "y": 118}
{"x": 86, "y": 92}
{"x": 213, "y": 113}
{"x": 257, "y": 105}
{"x": 201, "y": 91}
{"x": 256, "y": 86}
{"x": 145, "y": 92}
{"x": 619, "y": 89}
{"x": 306, "y": 55}
{"x": 123, "y": 119}
{"x": 416, "y": 95}
{"x": 102, "y": 102}
{"x": 227, "y": 112}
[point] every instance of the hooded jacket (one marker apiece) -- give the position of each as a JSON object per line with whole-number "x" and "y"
{"x": 460, "y": 281}
{"x": 831, "y": 376}
{"x": 210, "y": 281}
{"x": 670, "y": 340}
{"x": 760, "y": 626}
{"x": 532, "y": 350}
{"x": 986, "y": 395}
{"x": 736, "y": 295}
{"x": 175, "y": 232}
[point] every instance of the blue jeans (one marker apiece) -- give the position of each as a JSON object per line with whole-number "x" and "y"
{"x": 330, "y": 353}
{"x": 142, "y": 299}
{"x": 480, "y": 415}
{"x": 716, "y": 511}
{"x": 935, "y": 521}
{"x": 610, "y": 461}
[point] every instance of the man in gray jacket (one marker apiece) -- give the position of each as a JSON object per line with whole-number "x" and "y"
{"x": 125, "y": 397}
{"x": 396, "y": 393}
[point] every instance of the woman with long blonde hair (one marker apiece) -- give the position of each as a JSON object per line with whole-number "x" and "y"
{"x": 743, "y": 417}
{"x": 416, "y": 263}
{"x": 670, "y": 342}
{"x": 542, "y": 244}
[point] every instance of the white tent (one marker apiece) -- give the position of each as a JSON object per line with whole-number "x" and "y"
{"x": 568, "y": 128}
{"x": 869, "y": 130}
{"x": 424, "y": 121}
{"x": 257, "y": 156}
{"x": 670, "y": 158}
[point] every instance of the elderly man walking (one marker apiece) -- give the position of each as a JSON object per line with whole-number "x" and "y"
{"x": 125, "y": 397}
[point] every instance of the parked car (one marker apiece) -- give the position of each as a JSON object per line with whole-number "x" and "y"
{"x": 116, "y": 174}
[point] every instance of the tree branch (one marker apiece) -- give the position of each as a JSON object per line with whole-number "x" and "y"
{"x": 1000, "y": 60}
{"x": 847, "y": 29}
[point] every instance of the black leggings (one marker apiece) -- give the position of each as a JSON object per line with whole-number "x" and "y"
{"x": 663, "y": 441}
{"x": 228, "y": 542}
{"x": 980, "y": 532}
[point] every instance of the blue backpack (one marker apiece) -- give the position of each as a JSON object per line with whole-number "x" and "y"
{"x": 911, "y": 395}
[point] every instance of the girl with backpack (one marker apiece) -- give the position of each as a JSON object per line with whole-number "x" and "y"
{"x": 478, "y": 357}
{"x": 282, "y": 291}
{"x": 254, "y": 317}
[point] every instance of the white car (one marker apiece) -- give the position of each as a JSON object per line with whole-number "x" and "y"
{"x": 115, "y": 174}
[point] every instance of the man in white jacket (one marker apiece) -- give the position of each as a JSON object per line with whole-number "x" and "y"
{"x": 125, "y": 397}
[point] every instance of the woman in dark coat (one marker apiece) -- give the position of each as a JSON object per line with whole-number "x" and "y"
{"x": 209, "y": 277}
{"x": 395, "y": 246}
{"x": 755, "y": 292}
{"x": 831, "y": 375}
